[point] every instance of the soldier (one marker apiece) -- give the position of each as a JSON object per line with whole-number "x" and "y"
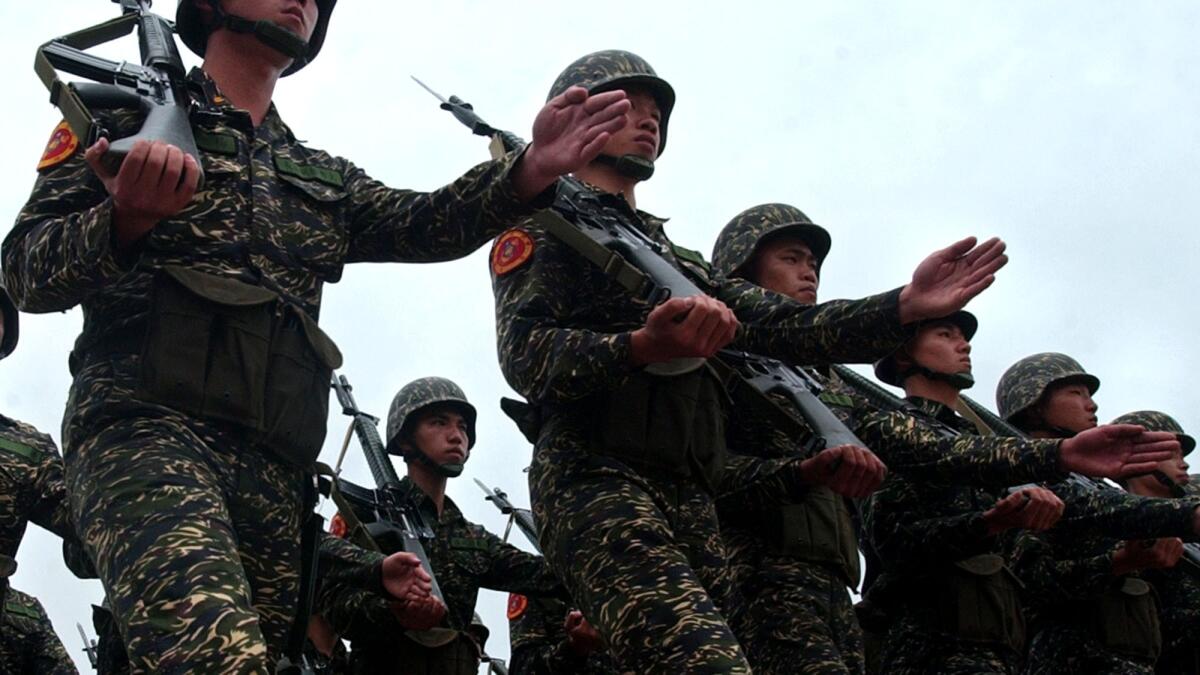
{"x": 797, "y": 614}
{"x": 28, "y": 643}
{"x": 432, "y": 426}
{"x": 1092, "y": 611}
{"x": 1178, "y": 588}
{"x": 200, "y": 378}
{"x": 626, "y": 463}
{"x": 547, "y": 638}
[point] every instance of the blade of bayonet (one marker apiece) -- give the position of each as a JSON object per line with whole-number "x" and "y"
{"x": 437, "y": 95}
{"x": 482, "y": 486}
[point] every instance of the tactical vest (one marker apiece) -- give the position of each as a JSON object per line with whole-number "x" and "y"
{"x": 818, "y": 530}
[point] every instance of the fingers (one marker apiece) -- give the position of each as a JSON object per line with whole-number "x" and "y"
{"x": 599, "y": 103}
{"x": 191, "y": 177}
{"x": 1155, "y": 438}
{"x": 1115, "y": 431}
{"x": 93, "y": 157}
{"x": 572, "y": 96}
{"x": 1159, "y": 448}
{"x": 985, "y": 252}
{"x": 956, "y": 250}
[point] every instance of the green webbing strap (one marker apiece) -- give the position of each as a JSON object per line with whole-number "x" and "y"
{"x": 611, "y": 263}
{"x": 968, "y": 413}
{"x": 63, "y": 96}
{"x": 358, "y": 532}
{"x": 19, "y": 449}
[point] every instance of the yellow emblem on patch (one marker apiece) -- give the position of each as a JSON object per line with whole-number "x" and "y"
{"x": 516, "y": 606}
{"x": 511, "y": 251}
{"x": 60, "y": 147}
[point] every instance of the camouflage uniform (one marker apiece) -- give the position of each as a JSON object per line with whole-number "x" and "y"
{"x": 465, "y": 557}
{"x": 31, "y": 485}
{"x": 539, "y": 641}
{"x": 28, "y": 643}
{"x": 193, "y": 526}
{"x": 632, "y": 531}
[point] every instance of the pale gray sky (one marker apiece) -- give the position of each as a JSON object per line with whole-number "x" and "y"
{"x": 1069, "y": 129}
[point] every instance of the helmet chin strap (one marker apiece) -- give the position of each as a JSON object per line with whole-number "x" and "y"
{"x": 630, "y": 166}
{"x": 269, "y": 33}
{"x": 447, "y": 470}
{"x": 1175, "y": 489}
{"x": 960, "y": 381}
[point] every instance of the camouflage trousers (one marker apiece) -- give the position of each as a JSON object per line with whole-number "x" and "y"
{"x": 194, "y": 531}
{"x": 28, "y": 643}
{"x": 912, "y": 648}
{"x": 1070, "y": 650}
{"x": 793, "y": 616}
{"x": 641, "y": 557}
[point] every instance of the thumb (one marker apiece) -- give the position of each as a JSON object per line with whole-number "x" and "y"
{"x": 93, "y": 157}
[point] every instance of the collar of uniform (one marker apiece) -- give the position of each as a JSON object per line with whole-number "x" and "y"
{"x": 651, "y": 222}
{"x": 942, "y": 413}
{"x": 424, "y": 502}
{"x": 205, "y": 89}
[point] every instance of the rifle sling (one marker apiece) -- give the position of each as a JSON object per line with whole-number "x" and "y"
{"x": 968, "y": 413}
{"x": 64, "y": 97}
{"x": 610, "y": 262}
{"x": 356, "y": 532}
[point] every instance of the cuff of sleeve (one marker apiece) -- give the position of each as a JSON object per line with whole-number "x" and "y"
{"x": 507, "y": 205}
{"x": 1045, "y": 461}
{"x": 100, "y": 242}
{"x": 375, "y": 581}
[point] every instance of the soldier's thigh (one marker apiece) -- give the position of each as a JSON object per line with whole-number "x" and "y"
{"x": 147, "y": 497}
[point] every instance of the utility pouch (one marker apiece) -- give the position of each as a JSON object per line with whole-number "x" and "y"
{"x": 301, "y": 362}
{"x": 819, "y": 530}
{"x": 206, "y": 347}
{"x": 672, "y": 425}
{"x": 1125, "y": 620}
{"x": 980, "y": 602}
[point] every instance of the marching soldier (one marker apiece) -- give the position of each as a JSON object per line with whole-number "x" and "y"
{"x": 626, "y": 463}
{"x": 28, "y": 643}
{"x": 1178, "y": 588}
{"x": 201, "y": 379}
{"x": 547, "y": 638}
{"x": 432, "y": 426}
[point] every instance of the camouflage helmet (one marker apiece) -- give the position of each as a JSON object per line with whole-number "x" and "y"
{"x": 1159, "y": 421}
{"x": 415, "y": 397}
{"x": 616, "y": 69}
{"x": 741, "y": 238}
{"x": 194, "y": 31}
{"x": 887, "y": 370}
{"x": 12, "y": 322}
{"x": 1027, "y": 380}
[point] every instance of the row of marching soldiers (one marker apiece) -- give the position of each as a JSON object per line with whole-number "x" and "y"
{"x": 685, "y": 526}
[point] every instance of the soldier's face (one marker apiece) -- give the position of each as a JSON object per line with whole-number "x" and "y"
{"x": 787, "y": 265}
{"x": 942, "y": 348}
{"x": 298, "y": 16}
{"x": 441, "y": 434}
{"x": 640, "y": 135}
{"x": 1069, "y": 406}
{"x": 1175, "y": 468}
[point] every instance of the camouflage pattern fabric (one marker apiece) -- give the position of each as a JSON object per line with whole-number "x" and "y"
{"x": 465, "y": 557}
{"x": 633, "y": 545}
{"x": 1178, "y": 591}
{"x": 1154, "y": 420}
{"x": 31, "y": 485}
{"x": 539, "y": 643}
{"x": 741, "y": 237}
{"x": 425, "y": 392}
{"x": 1025, "y": 381}
{"x": 920, "y": 529}
{"x": 195, "y": 530}
{"x": 111, "y": 657}
{"x": 28, "y": 643}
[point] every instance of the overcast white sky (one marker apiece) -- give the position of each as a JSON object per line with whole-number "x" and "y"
{"x": 1069, "y": 129}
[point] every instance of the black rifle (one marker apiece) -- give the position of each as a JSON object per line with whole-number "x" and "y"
{"x": 495, "y": 666}
{"x": 157, "y": 86}
{"x": 522, "y": 517}
{"x": 389, "y": 517}
{"x": 637, "y": 263}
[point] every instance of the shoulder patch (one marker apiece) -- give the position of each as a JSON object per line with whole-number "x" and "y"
{"x": 60, "y": 147}
{"x": 511, "y": 250}
{"x": 516, "y": 606}
{"x": 19, "y": 449}
{"x": 689, "y": 255}
{"x": 830, "y": 398}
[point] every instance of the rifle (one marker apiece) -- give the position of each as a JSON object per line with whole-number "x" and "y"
{"x": 389, "y": 517}
{"x": 157, "y": 86}
{"x": 522, "y": 517}
{"x": 495, "y": 666}
{"x": 637, "y": 263}
{"x": 89, "y": 646}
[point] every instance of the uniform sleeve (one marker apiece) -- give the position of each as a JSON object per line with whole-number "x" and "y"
{"x": 516, "y": 571}
{"x": 45, "y": 649}
{"x": 61, "y": 248}
{"x": 543, "y": 357}
{"x": 393, "y": 225}
{"x": 1118, "y": 514}
{"x": 539, "y": 646}
{"x": 50, "y": 508}
{"x": 350, "y": 593}
{"x": 911, "y": 448}
{"x": 1051, "y": 580}
{"x": 902, "y": 531}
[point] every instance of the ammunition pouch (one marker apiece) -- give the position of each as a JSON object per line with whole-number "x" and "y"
{"x": 818, "y": 530}
{"x": 1125, "y": 620}
{"x": 225, "y": 350}
{"x": 672, "y": 426}
{"x": 978, "y": 600}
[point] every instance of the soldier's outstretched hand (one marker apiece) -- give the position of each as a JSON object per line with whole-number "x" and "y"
{"x": 848, "y": 470}
{"x": 680, "y": 328}
{"x": 1116, "y": 451}
{"x": 569, "y": 131}
{"x": 404, "y": 578}
{"x": 1147, "y": 554}
{"x": 582, "y": 638}
{"x": 1031, "y": 508}
{"x": 945, "y": 281}
{"x": 155, "y": 181}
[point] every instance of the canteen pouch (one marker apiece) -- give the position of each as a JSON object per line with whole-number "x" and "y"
{"x": 301, "y": 362}
{"x": 673, "y": 425}
{"x": 206, "y": 347}
{"x": 224, "y": 350}
{"x": 820, "y": 530}
{"x": 980, "y": 602}
{"x": 1125, "y": 620}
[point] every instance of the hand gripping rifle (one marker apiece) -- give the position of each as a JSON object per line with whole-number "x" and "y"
{"x": 156, "y": 86}
{"x": 522, "y": 517}
{"x": 388, "y": 516}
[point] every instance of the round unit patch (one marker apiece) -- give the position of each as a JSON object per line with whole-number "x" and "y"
{"x": 60, "y": 147}
{"x": 516, "y": 606}
{"x": 511, "y": 251}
